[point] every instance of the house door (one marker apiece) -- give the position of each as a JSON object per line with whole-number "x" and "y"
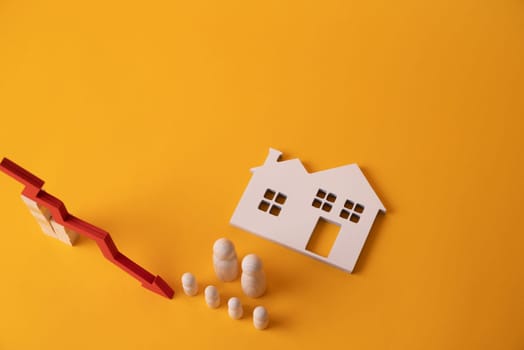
{"x": 323, "y": 237}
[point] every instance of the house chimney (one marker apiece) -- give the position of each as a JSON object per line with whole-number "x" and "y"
{"x": 273, "y": 156}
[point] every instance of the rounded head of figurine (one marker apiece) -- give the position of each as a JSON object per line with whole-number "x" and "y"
{"x": 260, "y": 313}
{"x": 188, "y": 278}
{"x": 211, "y": 291}
{"x": 233, "y": 303}
{"x": 223, "y": 248}
{"x": 251, "y": 263}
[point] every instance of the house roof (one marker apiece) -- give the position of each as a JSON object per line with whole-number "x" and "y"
{"x": 338, "y": 178}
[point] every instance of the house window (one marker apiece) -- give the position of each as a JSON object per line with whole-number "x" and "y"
{"x": 324, "y": 200}
{"x": 351, "y": 211}
{"x": 272, "y": 202}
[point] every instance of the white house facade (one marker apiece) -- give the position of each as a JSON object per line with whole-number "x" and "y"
{"x": 284, "y": 203}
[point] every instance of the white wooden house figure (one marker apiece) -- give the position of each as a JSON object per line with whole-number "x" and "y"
{"x": 283, "y": 203}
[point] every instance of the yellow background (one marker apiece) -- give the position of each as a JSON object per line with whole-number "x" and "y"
{"x": 144, "y": 117}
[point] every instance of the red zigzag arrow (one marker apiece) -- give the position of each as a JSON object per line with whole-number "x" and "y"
{"x": 33, "y": 190}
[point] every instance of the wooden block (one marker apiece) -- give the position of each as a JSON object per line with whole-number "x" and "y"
{"x": 63, "y": 234}
{"x": 39, "y": 217}
{"x": 35, "y": 208}
{"x": 46, "y": 227}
